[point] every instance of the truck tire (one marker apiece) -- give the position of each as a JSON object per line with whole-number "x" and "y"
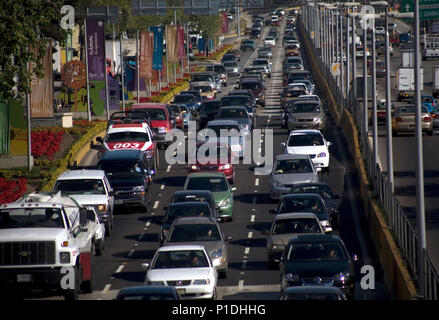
{"x": 108, "y": 227}
{"x": 99, "y": 247}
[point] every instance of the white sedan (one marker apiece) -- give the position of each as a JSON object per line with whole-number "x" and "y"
{"x": 270, "y": 41}
{"x": 309, "y": 142}
{"x": 188, "y": 268}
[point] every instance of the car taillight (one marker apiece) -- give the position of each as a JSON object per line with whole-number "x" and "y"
{"x": 433, "y": 115}
{"x": 427, "y": 119}
{"x": 398, "y": 120}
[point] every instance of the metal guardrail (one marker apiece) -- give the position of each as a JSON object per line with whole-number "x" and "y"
{"x": 404, "y": 233}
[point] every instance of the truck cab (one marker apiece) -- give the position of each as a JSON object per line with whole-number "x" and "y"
{"x": 44, "y": 238}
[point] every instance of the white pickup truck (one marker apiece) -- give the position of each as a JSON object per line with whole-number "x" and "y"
{"x": 47, "y": 241}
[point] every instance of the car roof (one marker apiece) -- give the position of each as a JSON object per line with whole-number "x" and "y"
{"x": 81, "y": 174}
{"x": 124, "y": 154}
{"x": 193, "y": 220}
{"x": 181, "y": 247}
{"x": 315, "y": 238}
{"x": 288, "y": 156}
{"x": 294, "y": 215}
{"x": 305, "y": 131}
{"x": 222, "y": 123}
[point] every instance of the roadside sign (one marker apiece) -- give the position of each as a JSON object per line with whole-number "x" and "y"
{"x": 335, "y": 68}
{"x": 428, "y": 9}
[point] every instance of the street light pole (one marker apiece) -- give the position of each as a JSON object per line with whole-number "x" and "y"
{"x": 374, "y": 106}
{"x": 347, "y": 61}
{"x": 388, "y": 110}
{"x": 422, "y": 242}
{"x": 365, "y": 95}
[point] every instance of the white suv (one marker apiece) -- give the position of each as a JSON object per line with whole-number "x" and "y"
{"x": 90, "y": 188}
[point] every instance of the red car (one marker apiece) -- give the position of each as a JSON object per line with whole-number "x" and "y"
{"x": 161, "y": 120}
{"x": 219, "y": 162}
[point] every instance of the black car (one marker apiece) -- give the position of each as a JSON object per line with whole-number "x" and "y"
{"x": 255, "y": 34}
{"x": 243, "y": 93}
{"x": 129, "y": 173}
{"x": 324, "y": 190}
{"x": 195, "y": 195}
{"x": 196, "y": 93}
{"x": 248, "y": 45}
{"x": 184, "y": 209}
{"x": 208, "y": 111}
{"x": 318, "y": 260}
{"x": 305, "y": 202}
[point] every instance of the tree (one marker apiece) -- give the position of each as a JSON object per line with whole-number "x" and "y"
{"x": 24, "y": 29}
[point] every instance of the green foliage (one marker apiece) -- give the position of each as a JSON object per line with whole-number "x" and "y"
{"x": 25, "y": 24}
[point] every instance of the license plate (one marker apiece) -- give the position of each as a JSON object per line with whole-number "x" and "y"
{"x": 181, "y": 291}
{"x": 118, "y": 201}
{"x": 24, "y": 277}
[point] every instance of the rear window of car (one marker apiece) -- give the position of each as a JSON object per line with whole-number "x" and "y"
{"x": 232, "y": 114}
{"x": 250, "y": 85}
{"x": 156, "y": 113}
{"x": 194, "y": 232}
{"x": 306, "y": 108}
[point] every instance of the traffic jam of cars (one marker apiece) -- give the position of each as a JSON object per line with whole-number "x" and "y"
{"x": 193, "y": 250}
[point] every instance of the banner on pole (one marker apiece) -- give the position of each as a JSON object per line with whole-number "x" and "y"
{"x": 181, "y": 51}
{"x": 146, "y": 40}
{"x": 172, "y": 44}
{"x": 157, "y": 62}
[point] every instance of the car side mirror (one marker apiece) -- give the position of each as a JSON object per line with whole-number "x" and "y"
{"x": 145, "y": 266}
{"x": 328, "y": 143}
{"x": 355, "y": 258}
{"x": 83, "y": 215}
{"x": 233, "y": 189}
{"x": 100, "y": 140}
{"x": 318, "y": 169}
{"x": 91, "y": 215}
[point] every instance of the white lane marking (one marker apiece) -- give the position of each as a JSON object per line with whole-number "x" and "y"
{"x": 180, "y": 143}
{"x": 250, "y": 235}
{"x": 106, "y": 289}
{"x": 131, "y": 252}
{"x": 257, "y": 182}
{"x": 148, "y": 223}
{"x": 162, "y": 187}
{"x": 260, "y": 150}
{"x": 120, "y": 268}
{"x": 247, "y": 251}
{"x": 252, "y": 219}
{"x": 156, "y": 204}
{"x": 241, "y": 284}
{"x": 169, "y": 168}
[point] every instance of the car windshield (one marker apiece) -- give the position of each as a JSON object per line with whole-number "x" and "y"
{"x": 120, "y": 169}
{"x": 426, "y": 99}
{"x": 175, "y": 108}
{"x": 194, "y": 232}
{"x": 231, "y": 129}
{"x": 234, "y": 101}
{"x": 260, "y": 62}
{"x": 306, "y": 108}
{"x": 230, "y": 64}
{"x": 293, "y": 166}
{"x": 250, "y": 85}
{"x": 80, "y": 186}
{"x": 156, "y": 113}
{"x": 316, "y": 251}
{"x": 180, "y": 259}
{"x": 314, "y": 205}
{"x": 229, "y": 57}
{"x": 322, "y": 189}
{"x": 183, "y": 99}
{"x": 301, "y": 140}
{"x": 210, "y": 106}
{"x": 203, "y": 88}
{"x": 207, "y": 183}
{"x": 127, "y": 136}
{"x": 31, "y": 218}
{"x": 298, "y": 225}
{"x": 190, "y": 210}
{"x": 411, "y": 109}
{"x": 232, "y": 114}
{"x": 201, "y": 77}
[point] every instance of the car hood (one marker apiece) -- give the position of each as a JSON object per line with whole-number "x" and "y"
{"x": 308, "y": 150}
{"x": 309, "y": 269}
{"x": 178, "y": 274}
{"x": 294, "y": 178}
{"x": 33, "y": 234}
{"x": 90, "y": 199}
{"x": 220, "y": 196}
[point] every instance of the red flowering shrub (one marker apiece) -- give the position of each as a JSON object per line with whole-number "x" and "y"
{"x": 11, "y": 190}
{"x": 46, "y": 143}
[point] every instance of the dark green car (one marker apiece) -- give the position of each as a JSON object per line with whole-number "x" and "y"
{"x": 217, "y": 184}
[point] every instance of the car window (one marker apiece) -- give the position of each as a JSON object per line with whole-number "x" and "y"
{"x": 316, "y": 251}
{"x": 250, "y": 85}
{"x": 206, "y": 183}
{"x": 199, "y": 78}
{"x": 183, "y": 98}
{"x": 313, "y": 205}
{"x": 127, "y": 136}
{"x": 194, "y": 232}
{"x": 306, "y": 108}
{"x": 228, "y": 128}
{"x": 234, "y": 101}
{"x": 156, "y": 114}
{"x": 180, "y": 259}
{"x": 232, "y": 114}
{"x": 31, "y": 218}
{"x": 187, "y": 211}
{"x": 121, "y": 169}
{"x": 80, "y": 186}
{"x": 322, "y": 189}
{"x": 293, "y": 166}
{"x": 298, "y": 225}
{"x": 300, "y": 140}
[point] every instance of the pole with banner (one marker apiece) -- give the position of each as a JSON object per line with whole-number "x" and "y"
{"x": 122, "y": 71}
{"x": 137, "y": 66}
{"x": 86, "y": 69}
{"x": 157, "y": 63}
